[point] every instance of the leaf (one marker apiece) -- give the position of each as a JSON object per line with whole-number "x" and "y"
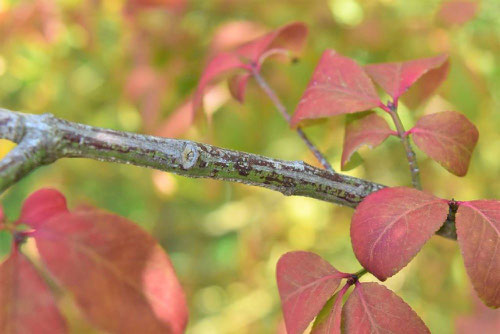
{"x": 2, "y": 216}
{"x": 5, "y": 244}
{"x": 481, "y": 320}
{"x": 26, "y": 304}
{"x": 457, "y": 12}
{"x": 338, "y": 86}
{"x": 372, "y": 308}
{"x": 395, "y": 78}
{"x": 41, "y": 206}
{"x": 369, "y": 129}
{"x": 328, "y": 320}
{"x": 390, "y": 226}
{"x": 237, "y": 86}
{"x": 121, "y": 278}
{"x": 290, "y": 37}
{"x": 305, "y": 283}
{"x": 447, "y": 137}
{"x": 478, "y": 234}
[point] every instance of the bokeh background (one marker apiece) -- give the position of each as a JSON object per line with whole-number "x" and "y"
{"x": 133, "y": 65}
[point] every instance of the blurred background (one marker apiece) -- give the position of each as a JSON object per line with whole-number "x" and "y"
{"x": 133, "y": 65}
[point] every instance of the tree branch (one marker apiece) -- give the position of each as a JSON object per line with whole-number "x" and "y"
{"x": 43, "y": 139}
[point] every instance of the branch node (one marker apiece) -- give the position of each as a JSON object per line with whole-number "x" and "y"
{"x": 189, "y": 156}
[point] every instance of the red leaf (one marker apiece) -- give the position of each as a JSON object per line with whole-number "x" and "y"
{"x": 447, "y": 137}
{"x": 305, "y": 283}
{"x": 237, "y": 86}
{"x": 2, "y": 215}
{"x": 482, "y": 320}
{"x": 121, "y": 278}
{"x": 391, "y": 225}
{"x": 478, "y": 232}
{"x": 369, "y": 130}
{"x": 290, "y": 37}
{"x": 457, "y": 12}
{"x": 396, "y": 78}
{"x": 372, "y": 308}
{"x": 338, "y": 86}
{"x": 41, "y": 206}
{"x": 328, "y": 320}
{"x": 178, "y": 122}
{"x": 26, "y": 304}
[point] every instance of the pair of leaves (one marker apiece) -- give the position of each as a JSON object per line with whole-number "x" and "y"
{"x": 391, "y": 225}
{"x": 306, "y": 282}
{"x": 120, "y": 277}
{"x": 340, "y": 86}
{"x": 286, "y": 39}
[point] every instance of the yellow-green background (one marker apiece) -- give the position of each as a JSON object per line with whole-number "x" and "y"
{"x": 225, "y": 239}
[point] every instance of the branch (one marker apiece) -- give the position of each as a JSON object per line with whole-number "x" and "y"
{"x": 43, "y": 139}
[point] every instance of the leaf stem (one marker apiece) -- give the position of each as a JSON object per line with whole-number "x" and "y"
{"x": 282, "y": 110}
{"x": 391, "y": 109}
{"x": 361, "y": 273}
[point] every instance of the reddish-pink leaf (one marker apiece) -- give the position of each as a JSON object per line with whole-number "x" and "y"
{"x": 338, "y": 86}
{"x": 391, "y": 225}
{"x": 457, "y": 12}
{"x": 482, "y": 320}
{"x": 396, "y": 78}
{"x": 478, "y": 232}
{"x": 232, "y": 34}
{"x": 41, "y": 206}
{"x": 2, "y": 215}
{"x": 237, "y": 86}
{"x": 26, "y": 304}
{"x": 369, "y": 130}
{"x": 305, "y": 283}
{"x": 328, "y": 320}
{"x": 447, "y": 137}
{"x": 121, "y": 278}
{"x": 178, "y": 122}
{"x": 290, "y": 37}
{"x": 372, "y": 308}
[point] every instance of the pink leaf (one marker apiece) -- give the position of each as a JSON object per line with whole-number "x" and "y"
{"x": 178, "y": 122}
{"x": 391, "y": 225}
{"x": 290, "y": 37}
{"x": 396, "y": 78}
{"x": 305, "y": 283}
{"x": 372, "y": 308}
{"x": 26, "y": 303}
{"x": 457, "y": 12}
{"x": 2, "y": 215}
{"x": 121, "y": 278}
{"x": 369, "y": 130}
{"x": 481, "y": 320}
{"x": 328, "y": 320}
{"x": 237, "y": 86}
{"x": 447, "y": 137}
{"x": 41, "y": 206}
{"x": 478, "y": 232}
{"x": 338, "y": 86}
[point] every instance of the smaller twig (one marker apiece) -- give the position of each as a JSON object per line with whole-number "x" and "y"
{"x": 282, "y": 110}
{"x": 391, "y": 109}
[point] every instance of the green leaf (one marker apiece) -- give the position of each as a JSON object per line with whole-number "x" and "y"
{"x": 5, "y": 244}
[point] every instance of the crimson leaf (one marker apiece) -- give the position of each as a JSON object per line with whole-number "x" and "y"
{"x": 372, "y": 308}
{"x": 478, "y": 233}
{"x": 328, "y": 320}
{"x": 338, "y": 86}
{"x": 447, "y": 137}
{"x": 369, "y": 129}
{"x": 391, "y": 225}
{"x": 26, "y": 303}
{"x": 42, "y": 205}
{"x": 395, "y": 78}
{"x": 305, "y": 283}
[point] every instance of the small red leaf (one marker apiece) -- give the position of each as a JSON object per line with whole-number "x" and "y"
{"x": 338, "y": 86}
{"x": 372, "y": 308}
{"x": 369, "y": 130}
{"x": 26, "y": 304}
{"x": 290, "y": 37}
{"x": 305, "y": 283}
{"x": 41, "y": 206}
{"x": 396, "y": 78}
{"x": 121, "y": 278}
{"x": 391, "y": 225}
{"x": 478, "y": 232}
{"x": 447, "y": 137}
{"x": 457, "y": 12}
{"x": 328, "y": 320}
{"x": 237, "y": 86}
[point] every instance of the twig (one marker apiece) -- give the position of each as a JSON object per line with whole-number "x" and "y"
{"x": 282, "y": 110}
{"x": 391, "y": 109}
{"x": 43, "y": 139}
